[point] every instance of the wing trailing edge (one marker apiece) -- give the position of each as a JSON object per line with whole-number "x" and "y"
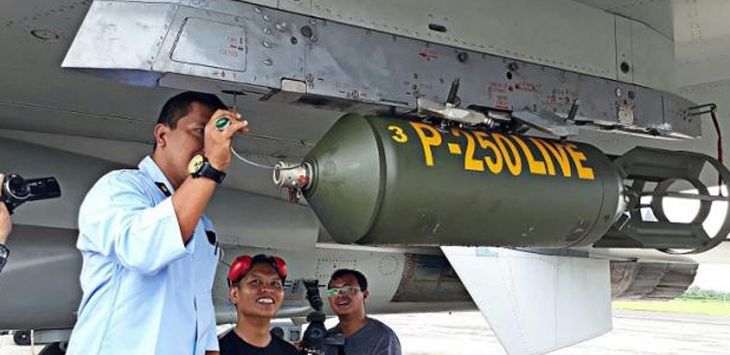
{"x": 536, "y": 303}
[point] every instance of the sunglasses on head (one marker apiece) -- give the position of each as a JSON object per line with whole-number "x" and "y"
{"x": 243, "y": 263}
{"x": 344, "y": 291}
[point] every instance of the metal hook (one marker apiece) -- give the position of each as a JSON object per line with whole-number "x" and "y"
{"x": 702, "y": 109}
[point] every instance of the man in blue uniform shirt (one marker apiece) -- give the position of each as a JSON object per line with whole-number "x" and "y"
{"x": 149, "y": 253}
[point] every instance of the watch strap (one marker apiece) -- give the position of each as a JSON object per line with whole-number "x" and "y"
{"x": 4, "y": 253}
{"x": 208, "y": 171}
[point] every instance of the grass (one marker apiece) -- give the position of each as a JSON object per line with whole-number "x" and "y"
{"x": 687, "y": 306}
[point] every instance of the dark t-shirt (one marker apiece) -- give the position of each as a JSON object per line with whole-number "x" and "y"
{"x": 375, "y": 338}
{"x": 232, "y": 344}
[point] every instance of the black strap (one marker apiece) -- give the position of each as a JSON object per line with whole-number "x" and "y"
{"x": 4, "y": 255}
{"x": 340, "y": 350}
{"x": 211, "y": 237}
{"x": 213, "y": 240}
{"x": 163, "y": 188}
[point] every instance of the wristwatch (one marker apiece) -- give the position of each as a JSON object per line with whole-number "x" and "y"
{"x": 4, "y": 252}
{"x": 200, "y": 166}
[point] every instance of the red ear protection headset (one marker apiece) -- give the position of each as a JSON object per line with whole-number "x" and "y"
{"x": 243, "y": 263}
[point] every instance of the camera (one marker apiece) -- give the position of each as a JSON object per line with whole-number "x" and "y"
{"x": 17, "y": 190}
{"x": 315, "y": 337}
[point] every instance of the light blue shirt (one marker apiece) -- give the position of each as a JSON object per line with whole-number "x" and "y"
{"x": 145, "y": 291}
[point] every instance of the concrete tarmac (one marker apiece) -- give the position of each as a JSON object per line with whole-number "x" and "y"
{"x": 644, "y": 333}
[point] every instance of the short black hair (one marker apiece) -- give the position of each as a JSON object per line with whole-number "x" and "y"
{"x": 267, "y": 260}
{"x": 179, "y": 105}
{"x": 361, "y": 280}
{"x": 235, "y": 267}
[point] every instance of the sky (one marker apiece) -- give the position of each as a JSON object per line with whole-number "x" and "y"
{"x": 713, "y": 277}
{"x": 709, "y": 276}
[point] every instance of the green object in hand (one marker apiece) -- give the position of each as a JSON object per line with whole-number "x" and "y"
{"x": 222, "y": 123}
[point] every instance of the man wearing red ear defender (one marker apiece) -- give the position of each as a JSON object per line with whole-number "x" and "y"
{"x": 256, "y": 288}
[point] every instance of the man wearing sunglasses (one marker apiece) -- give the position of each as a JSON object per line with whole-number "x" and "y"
{"x": 347, "y": 291}
{"x": 256, "y": 288}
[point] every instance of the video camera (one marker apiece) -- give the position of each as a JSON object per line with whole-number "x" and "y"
{"x": 315, "y": 337}
{"x": 16, "y": 190}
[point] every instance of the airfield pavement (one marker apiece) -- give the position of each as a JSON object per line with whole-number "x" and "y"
{"x": 645, "y": 333}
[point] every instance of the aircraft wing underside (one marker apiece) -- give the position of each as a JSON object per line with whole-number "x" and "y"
{"x": 630, "y": 67}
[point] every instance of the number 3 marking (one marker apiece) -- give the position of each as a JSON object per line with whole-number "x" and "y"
{"x": 398, "y": 135}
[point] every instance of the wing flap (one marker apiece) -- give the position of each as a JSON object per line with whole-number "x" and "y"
{"x": 536, "y": 303}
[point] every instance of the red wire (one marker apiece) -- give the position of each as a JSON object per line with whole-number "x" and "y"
{"x": 719, "y": 147}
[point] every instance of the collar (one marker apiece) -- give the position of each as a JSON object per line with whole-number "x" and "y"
{"x": 150, "y": 168}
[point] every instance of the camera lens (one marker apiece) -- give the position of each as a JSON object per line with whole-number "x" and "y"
{"x": 17, "y": 187}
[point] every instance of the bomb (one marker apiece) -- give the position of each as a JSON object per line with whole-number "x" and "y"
{"x": 376, "y": 180}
